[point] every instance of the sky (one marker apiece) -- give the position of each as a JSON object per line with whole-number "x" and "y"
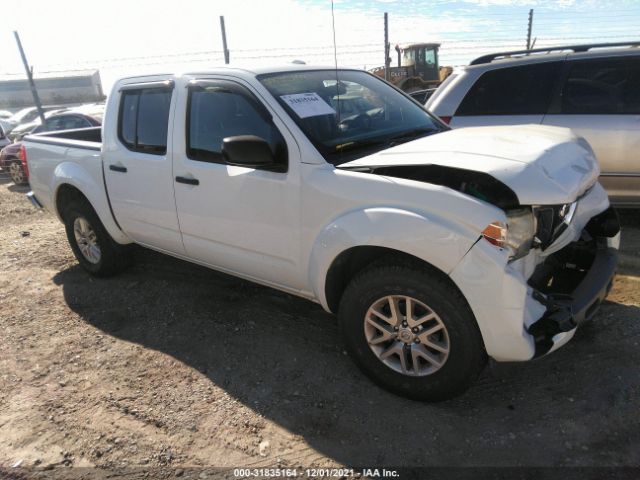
{"x": 128, "y": 37}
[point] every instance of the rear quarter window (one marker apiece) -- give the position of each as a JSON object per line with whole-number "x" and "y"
{"x": 521, "y": 90}
{"x": 602, "y": 86}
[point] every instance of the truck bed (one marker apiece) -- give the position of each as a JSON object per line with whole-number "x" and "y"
{"x": 87, "y": 138}
{"x": 72, "y": 155}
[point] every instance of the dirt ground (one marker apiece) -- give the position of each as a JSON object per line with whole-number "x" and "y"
{"x": 172, "y": 365}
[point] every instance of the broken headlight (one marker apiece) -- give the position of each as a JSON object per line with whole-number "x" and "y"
{"x": 552, "y": 221}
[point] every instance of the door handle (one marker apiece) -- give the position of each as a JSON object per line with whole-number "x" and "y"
{"x": 188, "y": 181}
{"x": 118, "y": 168}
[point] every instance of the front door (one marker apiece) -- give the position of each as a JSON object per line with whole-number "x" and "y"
{"x": 237, "y": 219}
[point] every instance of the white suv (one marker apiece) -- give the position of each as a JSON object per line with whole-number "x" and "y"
{"x": 592, "y": 89}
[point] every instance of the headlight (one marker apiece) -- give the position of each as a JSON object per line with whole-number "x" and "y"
{"x": 552, "y": 221}
{"x": 516, "y": 236}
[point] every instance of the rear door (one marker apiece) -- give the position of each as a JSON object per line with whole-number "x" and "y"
{"x": 238, "y": 219}
{"x": 600, "y": 100}
{"x": 509, "y": 96}
{"x": 138, "y": 168}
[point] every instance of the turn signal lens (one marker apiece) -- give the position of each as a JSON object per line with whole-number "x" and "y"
{"x": 22, "y": 155}
{"x": 496, "y": 234}
{"x": 515, "y": 236}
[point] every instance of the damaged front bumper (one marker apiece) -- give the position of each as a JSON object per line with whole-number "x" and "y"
{"x": 533, "y": 305}
{"x": 573, "y": 282}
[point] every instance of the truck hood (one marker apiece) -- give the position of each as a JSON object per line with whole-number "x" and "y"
{"x": 540, "y": 165}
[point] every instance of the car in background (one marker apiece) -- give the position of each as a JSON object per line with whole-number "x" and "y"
{"x": 11, "y": 156}
{"x": 592, "y": 89}
{"x": 19, "y": 131}
{"x": 4, "y": 141}
{"x": 67, "y": 120}
{"x": 421, "y": 96}
{"x": 13, "y": 160}
{"x": 94, "y": 110}
{"x": 57, "y": 120}
{"x": 26, "y": 115}
{"x": 5, "y": 114}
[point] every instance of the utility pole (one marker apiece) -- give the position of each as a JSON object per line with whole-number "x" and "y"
{"x": 386, "y": 46}
{"x": 224, "y": 40}
{"x": 529, "y": 27}
{"x": 34, "y": 91}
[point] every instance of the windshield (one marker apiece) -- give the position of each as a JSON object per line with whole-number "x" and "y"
{"x": 350, "y": 117}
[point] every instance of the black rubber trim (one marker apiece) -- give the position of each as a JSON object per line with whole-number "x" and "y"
{"x": 106, "y": 192}
{"x": 566, "y": 312}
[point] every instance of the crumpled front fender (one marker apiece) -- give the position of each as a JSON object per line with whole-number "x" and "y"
{"x": 435, "y": 240}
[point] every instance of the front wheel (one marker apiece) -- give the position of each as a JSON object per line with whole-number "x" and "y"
{"x": 411, "y": 332}
{"x": 92, "y": 245}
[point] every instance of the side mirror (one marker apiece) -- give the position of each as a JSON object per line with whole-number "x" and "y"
{"x": 247, "y": 151}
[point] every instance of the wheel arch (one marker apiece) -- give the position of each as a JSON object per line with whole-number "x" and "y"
{"x": 70, "y": 181}
{"x": 352, "y": 261}
{"x": 358, "y": 238}
{"x": 65, "y": 194}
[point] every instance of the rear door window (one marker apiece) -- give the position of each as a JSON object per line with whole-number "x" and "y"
{"x": 144, "y": 119}
{"x": 602, "y": 87}
{"x": 521, "y": 90}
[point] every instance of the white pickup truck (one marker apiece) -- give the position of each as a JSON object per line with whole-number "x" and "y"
{"x": 436, "y": 248}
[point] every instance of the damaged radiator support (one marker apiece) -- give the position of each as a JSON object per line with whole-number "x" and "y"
{"x": 572, "y": 282}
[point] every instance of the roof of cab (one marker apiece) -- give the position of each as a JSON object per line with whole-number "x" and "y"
{"x": 243, "y": 70}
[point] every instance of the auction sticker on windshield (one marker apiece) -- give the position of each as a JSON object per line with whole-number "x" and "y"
{"x": 307, "y": 104}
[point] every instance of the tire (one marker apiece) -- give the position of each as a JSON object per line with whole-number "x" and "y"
{"x": 84, "y": 232}
{"x": 16, "y": 171}
{"x": 454, "y": 326}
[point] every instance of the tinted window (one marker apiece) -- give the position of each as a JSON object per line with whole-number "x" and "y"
{"x": 77, "y": 122}
{"x": 52, "y": 124}
{"x": 128, "y": 116}
{"x": 144, "y": 119}
{"x": 602, "y": 87}
{"x": 67, "y": 122}
{"x": 217, "y": 112}
{"x": 523, "y": 90}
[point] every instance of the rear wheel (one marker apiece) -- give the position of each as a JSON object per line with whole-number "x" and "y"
{"x": 411, "y": 332}
{"x": 92, "y": 245}
{"x": 17, "y": 173}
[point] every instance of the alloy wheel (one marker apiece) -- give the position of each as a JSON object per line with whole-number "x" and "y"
{"x": 406, "y": 335}
{"x": 87, "y": 240}
{"x": 17, "y": 174}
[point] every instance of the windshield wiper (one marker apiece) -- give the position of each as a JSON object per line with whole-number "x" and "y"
{"x": 384, "y": 142}
{"x": 411, "y": 135}
{"x": 343, "y": 147}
